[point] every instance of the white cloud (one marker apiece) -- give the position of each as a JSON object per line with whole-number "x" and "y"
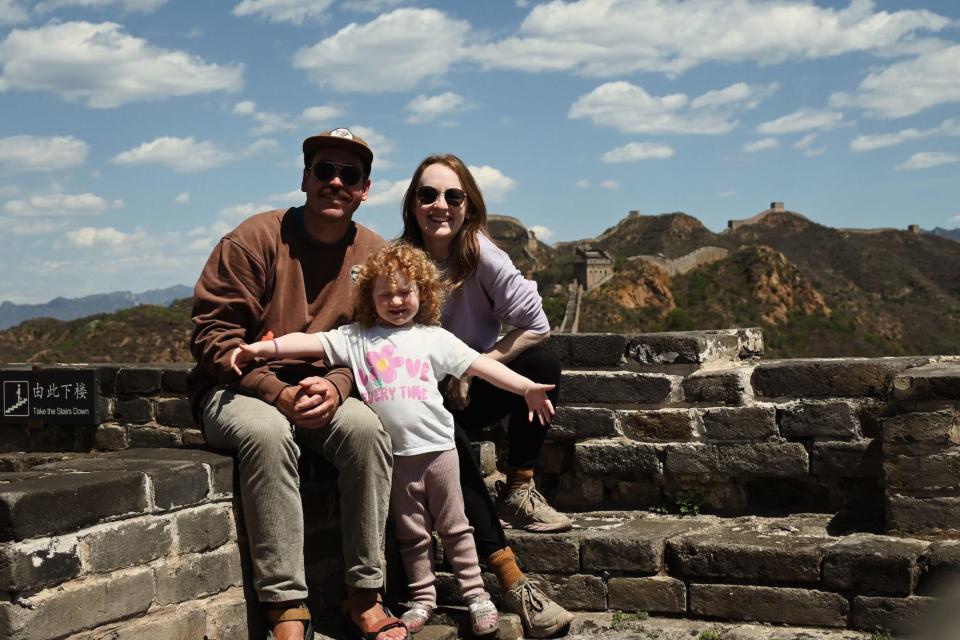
{"x": 182, "y": 198}
{"x": 91, "y": 236}
{"x": 726, "y": 194}
{"x": 905, "y": 88}
{"x": 955, "y": 218}
{"x": 805, "y": 144}
{"x": 379, "y": 143}
{"x": 60, "y": 204}
{"x": 384, "y": 193}
{"x": 606, "y": 38}
{"x": 33, "y": 226}
{"x": 610, "y": 184}
{"x": 292, "y": 11}
{"x": 394, "y": 52}
{"x": 243, "y": 211}
{"x": 542, "y": 232}
{"x": 427, "y": 108}
{"x": 142, "y": 6}
{"x": 372, "y": 6}
{"x": 271, "y": 122}
{"x": 741, "y": 93}
{"x": 321, "y": 114}
{"x": 11, "y": 12}
{"x": 801, "y": 120}
{"x": 245, "y": 108}
{"x": 927, "y": 160}
{"x": 492, "y": 182}
{"x": 184, "y": 155}
{"x": 103, "y": 67}
{"x": 630, "y": 109}
{"x": 860, "y": 144}
{"x": 761, "y": 145}
{"x": 634, "y": 151}
{"x": 583, "y": 183}
{"x": 33, "y": 153}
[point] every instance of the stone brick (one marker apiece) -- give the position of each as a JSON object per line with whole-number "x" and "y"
{"x": 873, "y": 565}
{"x": 617, "y": 457}
{"x": 32, "y": 565}
{"x": 656, "y": 594}
{"x": 579, "y": 493}
{"x": 173, "y": 379}
{"x": 919, "y": 472}
{"x": 134, "y": 411}
{"x": 106, "y": 409}
{"x": 814, "y": 378}
{"x": 724, "y": 387}
{"x": 108, "y": 379}
{"x": 769, "y": 604}
{"x": 182, "y": 622}
{"x": 14, "y": 438}
{"x": 152, "y": 437}
{"x": 616, "y": 387}
{"x": 53, "y": 437}
{"x": 485, "y": 453}
{"x": 907, "y": 514}
{"x": 175, "y": 412}
{"x": 659, "y": 425}
{"x": 192, "y": 576}
{"x": 642, "y": 494}
{"x": 589, "y": 349}
{"x": 227, "y": 616}
{"x": 126, "y": 544}
{"x": 898, "y": 615}
{"x": 555, "y": 457}
{"x": 764, "y": 459}
{"x": 637, "y": 545}
{"x": 194, "y": 438}
{"x": 832, "y": 420}
{"x": 81, "y": 499}
{"x": 863, "y": 459}
{"x": 136, "y": 381}
{"x": 577, "y": 592}
{"x": 219, "y": 465}
{"x": 582, "y": 422}
{"x": 546, "y": 553}
{"x": 921, "y": 433}
{"x": 940, "y": 568}
{"x": 739, "y": 424}
{"x": 751, "y": 341}
{"x": 786, "y": 550}
{"x": 110, "y": 437}
{"x": 683, "y": 347}
{"x": 78, "y": 605}
{"x": 930, "y": 381}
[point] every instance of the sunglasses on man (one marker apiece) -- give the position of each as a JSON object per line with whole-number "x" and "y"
{"x": 350, "y": 175}
{"x": 429, "y": 195}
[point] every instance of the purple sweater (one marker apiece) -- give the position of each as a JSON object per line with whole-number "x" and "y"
{"x": 497, "y": 293}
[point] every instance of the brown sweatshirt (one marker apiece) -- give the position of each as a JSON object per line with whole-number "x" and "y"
{"x": 268, "y": 274}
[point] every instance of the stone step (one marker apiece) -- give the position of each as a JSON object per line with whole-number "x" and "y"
{"x": 657, "y": 349}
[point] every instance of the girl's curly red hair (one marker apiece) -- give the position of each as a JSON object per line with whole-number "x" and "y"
{"x": 416, "y": 266}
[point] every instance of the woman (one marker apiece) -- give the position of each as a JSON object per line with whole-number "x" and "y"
{"x": 444, "y": 214}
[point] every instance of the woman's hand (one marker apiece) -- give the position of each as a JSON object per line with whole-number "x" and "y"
{"x": 249, "y": 352}
{"x": 458, "y": 392}
{"x": 538, "y": 403}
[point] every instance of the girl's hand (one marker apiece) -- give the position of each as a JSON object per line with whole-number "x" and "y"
{"x": 538, "y": 402}
{"x": 247, "y": 353}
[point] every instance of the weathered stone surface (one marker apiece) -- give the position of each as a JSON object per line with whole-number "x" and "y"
{"x": 227, "y": 616}
{"x": 578, "y": 492}
{"x": 180, "y": 622}
{"x": 682, "y": 347}
{"x": 546, "y": 553}
{"x": 220, "y": 466}
{"x": 134, "y": 411}
{"x": 582, "y": 422}
{"x": 616, "y": 387}
{"x": 126, "y": 544}
{"x": 906, "y": 514}
{"x": 106, "y": 409}
{"x": 203, "y": 528}
{"x": 14, "y": 438}
{"x": 833, "y": 420}
{"x": 919, "y": 472}
{"x": 175, "y": 412}
{"x": 930, "y": 381}
{"x": 589, "y": 349}
{"x": 575, "y": 593}
{"x": 485, "y": 453}
{"x": 151, "y": 437}
{"x": 769, "y": 604}
{"x": 110, "y": 437}
{"x": 784, "y": 550}
{"x": 635, "y": 494}
{"x": 940, "y": 569}
{"x": 636, "y": 545}
{"x": 899, "y": 615}
{"x": 108, "y": 379}
{"x": 617, "y": 457}
{"x": 727, "y": 386}
{"x": 135, "y": 381}
{"x": 82, "y": 499}
{"x": 921, "y": 433}
{"x": 173, "y": 378}
{"x": 862, "y": 459}
{"x": 656, "y": 594}
{"x": 659, "y": 425}
{"x": 35, "y": 564}
{"x": 78, "y": 605}
{"x": 587, "y": 626}
{"x": 192, "y": 576}
{"x": 739, "y": 424}
{"x": 814, "y": 378}
{"x": 873, "y": 565}
{"x": 764, "y": 459}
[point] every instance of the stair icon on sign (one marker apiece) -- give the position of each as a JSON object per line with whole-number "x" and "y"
{"x": 16, "y": 399}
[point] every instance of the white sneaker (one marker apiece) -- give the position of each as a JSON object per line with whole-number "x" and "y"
{"x": 483, "y": 614}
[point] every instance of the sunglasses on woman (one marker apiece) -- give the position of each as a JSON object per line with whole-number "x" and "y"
{"x": 429, "y": 195}
{"x": 350, "y": 175}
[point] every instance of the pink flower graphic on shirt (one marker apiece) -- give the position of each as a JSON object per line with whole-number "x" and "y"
{"x": 384, "y": 365}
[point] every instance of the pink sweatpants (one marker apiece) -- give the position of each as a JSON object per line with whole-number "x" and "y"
{"x": 425, "y": 495}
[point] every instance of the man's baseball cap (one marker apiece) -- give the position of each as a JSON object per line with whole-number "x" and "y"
{"x": 342, "y": 139}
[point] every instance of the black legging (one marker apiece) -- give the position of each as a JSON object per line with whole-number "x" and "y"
{"x": 487, "y": 405}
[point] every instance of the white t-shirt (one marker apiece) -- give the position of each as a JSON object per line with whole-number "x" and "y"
{"x": 397, "y": 369}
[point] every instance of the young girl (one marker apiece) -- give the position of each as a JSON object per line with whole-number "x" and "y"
{"x": 398, "y": 354}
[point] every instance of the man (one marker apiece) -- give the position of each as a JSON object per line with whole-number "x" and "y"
{"x": 278, "y": 272}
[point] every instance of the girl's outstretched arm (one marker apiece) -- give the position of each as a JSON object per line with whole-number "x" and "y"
{"x": 292, "y": 345}
{"x": 533, "y": 392}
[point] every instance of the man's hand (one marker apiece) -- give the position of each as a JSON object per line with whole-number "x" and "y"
{"x": 310, "y": 405}
{"x": 458, "y": 392}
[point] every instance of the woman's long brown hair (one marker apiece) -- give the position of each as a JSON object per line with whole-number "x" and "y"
{"x": 465, "y": 248}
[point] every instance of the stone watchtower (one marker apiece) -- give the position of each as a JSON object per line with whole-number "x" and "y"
{"x": 592, "y": 266}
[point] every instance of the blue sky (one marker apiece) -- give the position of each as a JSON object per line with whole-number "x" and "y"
{"x": 135, "y": 133}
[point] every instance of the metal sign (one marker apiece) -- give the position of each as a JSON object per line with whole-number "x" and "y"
{"x": 51, "y": 396}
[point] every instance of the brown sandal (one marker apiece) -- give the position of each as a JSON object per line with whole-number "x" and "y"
{"x": 367, "y": 598}
{"x": 299, "y": 612}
